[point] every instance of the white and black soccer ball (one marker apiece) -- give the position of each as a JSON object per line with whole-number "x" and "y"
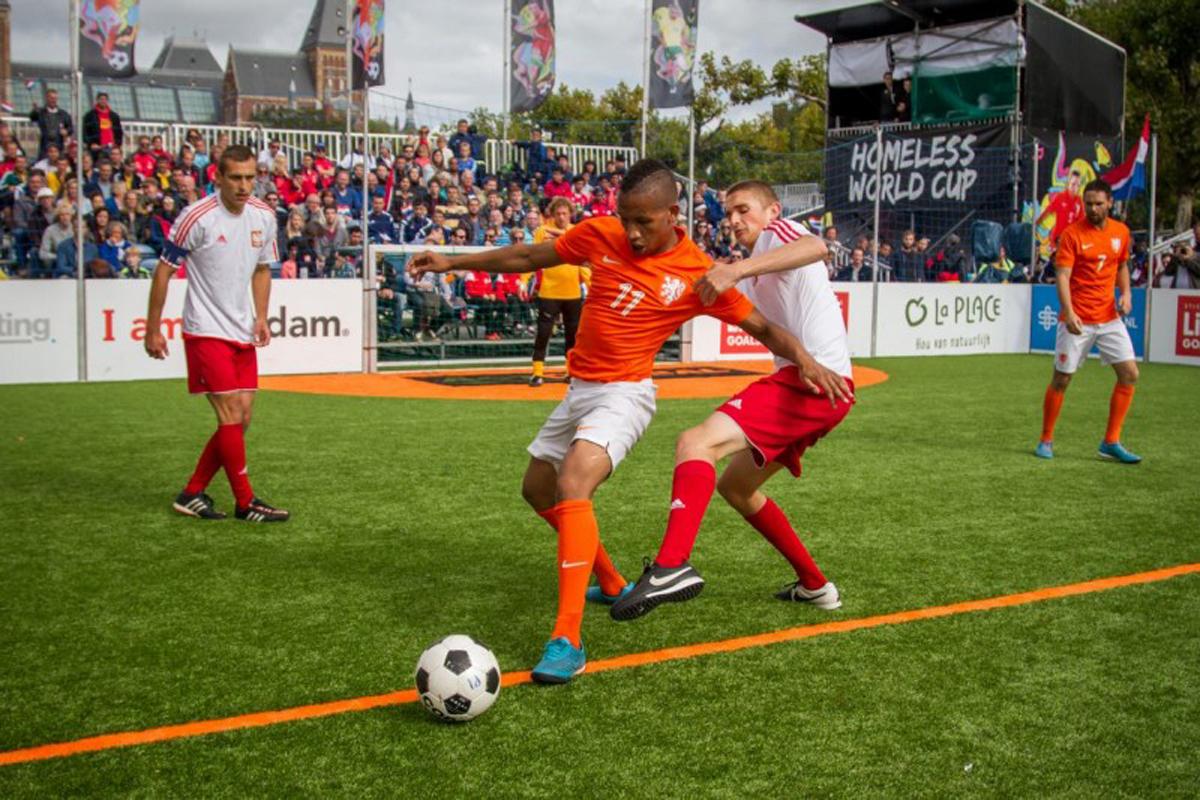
{"x": 457, "y": 678}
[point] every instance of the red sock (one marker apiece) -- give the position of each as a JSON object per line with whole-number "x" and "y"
{"x": 691, "y": 489}
{"x": 578, "y": 537}
{"x": 206, "y": 467}
{"x": 1118, "y": 407}
{"x": 231, "y": 444}
{"x": 773, "y": 524}
{"x": 607, "y": 575}
{"x": 1051, "y": 405}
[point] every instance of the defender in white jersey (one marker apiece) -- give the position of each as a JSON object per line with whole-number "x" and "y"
{"x": 226, "y": 242}
{"x": 769, "y": 424}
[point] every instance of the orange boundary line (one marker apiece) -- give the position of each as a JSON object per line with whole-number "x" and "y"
{"x": 110, "y": 741}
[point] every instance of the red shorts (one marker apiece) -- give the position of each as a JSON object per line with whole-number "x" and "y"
{"x": 781, "y": 417}
{"x": 219, "y": 366}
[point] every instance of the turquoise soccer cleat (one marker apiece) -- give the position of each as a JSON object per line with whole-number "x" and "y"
{"x": 560, "y": 662}
{"x": 596, "y": 595}
{"x": 1044, "y": 450}
{"x": 1115, "y": 451}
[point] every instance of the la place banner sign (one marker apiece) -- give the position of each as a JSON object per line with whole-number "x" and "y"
{"x": 952, "y": 319}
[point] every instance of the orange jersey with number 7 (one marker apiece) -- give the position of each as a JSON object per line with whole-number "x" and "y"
{"x": 636, "y": 301}
{"x": 1094, "y": 256}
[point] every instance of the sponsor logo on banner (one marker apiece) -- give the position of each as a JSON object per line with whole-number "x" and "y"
{"x": 24, "y": 330}
{"x": 1187, "y": 327}
{"x": 38, "y": 333}
{"x": 1044, "y": 321}
{"x": 947, "y": 319}
{"x": 282, "y": 326}
{"x": 735, "y": 341}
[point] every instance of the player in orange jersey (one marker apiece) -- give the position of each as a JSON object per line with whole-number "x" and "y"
{"x": 643, "y": 269}
{"x": 1092, "y": 259}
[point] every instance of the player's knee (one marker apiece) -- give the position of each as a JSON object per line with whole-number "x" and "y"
{"x": 691, "y": 445}
{"x": 1127, "y": 373}
{"x": 1061, "y": 381}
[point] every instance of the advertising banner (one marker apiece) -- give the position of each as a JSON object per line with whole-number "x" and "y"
{"x": 1044, "y": 321}
{"x": 1175, "y": 326}
{"x": 38, "y": 333}
{"x": 952, "y": 319}
{"x": 713, "y": 340}
{"x": 316, "y": 326}
{"x": 108, "y": 32}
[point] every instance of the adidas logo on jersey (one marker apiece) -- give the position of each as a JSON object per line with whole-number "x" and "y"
{"x": 735, "y": 403}
{"x": 677, "y": 504}
{"x": 221, "y": 239}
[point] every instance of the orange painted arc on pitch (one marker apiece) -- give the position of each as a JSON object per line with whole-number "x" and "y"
{"x": 259, "y": 719}
{"x": 409, "y": 384}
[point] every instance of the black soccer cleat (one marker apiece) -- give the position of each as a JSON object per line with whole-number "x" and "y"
{"x": 258, "y": 511}
{"x": 199, "y": 506}
{"x": 536, "y": 380}
{"x": 657, "y": 585}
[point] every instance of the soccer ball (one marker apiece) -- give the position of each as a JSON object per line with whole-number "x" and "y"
{"x": 457, "y": 678}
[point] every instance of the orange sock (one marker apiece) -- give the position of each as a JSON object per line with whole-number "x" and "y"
{"x": 1051, "y": 405}
{"x": 578, "y": 538}
{"x": 1118, "y": 407}
{"x": 607, "y": 575}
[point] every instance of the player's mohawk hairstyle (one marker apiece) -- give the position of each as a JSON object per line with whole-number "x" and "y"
{"x": 649, "y": 174}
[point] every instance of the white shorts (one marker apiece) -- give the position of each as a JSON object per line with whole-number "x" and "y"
{"x": 1111, "y": 337}
{"x": 612, "y": 415}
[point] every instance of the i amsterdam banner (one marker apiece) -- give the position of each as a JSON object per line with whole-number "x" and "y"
{"x": 929, "y": 169}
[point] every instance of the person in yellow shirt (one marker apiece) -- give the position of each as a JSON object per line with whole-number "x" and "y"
{"x": 559, "y": 289}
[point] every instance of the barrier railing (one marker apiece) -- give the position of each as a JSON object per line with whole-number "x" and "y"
{"x": 298, "y": 141}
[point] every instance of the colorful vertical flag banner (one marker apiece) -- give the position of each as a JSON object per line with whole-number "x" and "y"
{"x": 368, "y": 43}
{"x": 673, "y": 28}
{"x": 108, "y": 31}
{"x": 531, "y": 78}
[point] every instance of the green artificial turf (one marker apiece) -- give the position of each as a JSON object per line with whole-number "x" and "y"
{"x": 408, "y": 525}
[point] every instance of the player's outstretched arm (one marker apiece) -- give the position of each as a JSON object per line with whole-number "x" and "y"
{"x": 155, "y": 343}
{"x": 793, "y": 255}
{"x": 514, "y": 258}
{"x": 783, "y": 344}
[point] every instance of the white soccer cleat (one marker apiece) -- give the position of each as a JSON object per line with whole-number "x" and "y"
{"x": 826, "y": 597}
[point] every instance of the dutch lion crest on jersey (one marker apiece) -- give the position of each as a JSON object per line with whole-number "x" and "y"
{"x": 672, "y": 289}
{"x": 1116, "y": 244}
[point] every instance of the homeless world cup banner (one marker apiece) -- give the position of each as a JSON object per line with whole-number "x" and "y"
{"x": 930, "y": 169}
{"x": 532, "y": 58}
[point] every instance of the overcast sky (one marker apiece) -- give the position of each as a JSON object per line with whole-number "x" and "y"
{"x": 599, "y": 41}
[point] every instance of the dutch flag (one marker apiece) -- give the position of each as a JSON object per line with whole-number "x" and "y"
{"x": 1129, "y": 178}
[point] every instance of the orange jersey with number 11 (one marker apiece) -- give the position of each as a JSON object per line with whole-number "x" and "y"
{"x": 636, "y": 301}
{"x": 1094, "y": 256}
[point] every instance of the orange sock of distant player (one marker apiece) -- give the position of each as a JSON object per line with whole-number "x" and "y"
{"x": 1051, "y": 405}
{"x": 578, "y": 539}
{"x": 1118, "y": 407}
{"x": 206, "y": 467}
{"x": 607, "y": 575}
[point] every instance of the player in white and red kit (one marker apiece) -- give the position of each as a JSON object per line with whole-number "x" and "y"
{"x": 228, "y": 241}
{"x": 769, "y": 424}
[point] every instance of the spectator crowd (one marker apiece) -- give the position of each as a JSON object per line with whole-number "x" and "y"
{"x": 436, "y": 190}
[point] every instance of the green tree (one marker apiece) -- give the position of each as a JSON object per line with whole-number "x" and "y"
{"x": 1162, "y": 78}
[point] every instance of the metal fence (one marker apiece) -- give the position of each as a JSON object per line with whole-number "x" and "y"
{"x": 498, "y": 153}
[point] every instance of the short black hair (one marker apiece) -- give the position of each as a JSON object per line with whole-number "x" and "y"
{"x": 1098, "y": 185}
{"x": 649, "y": 174}
{"x": 234, "y": 154}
